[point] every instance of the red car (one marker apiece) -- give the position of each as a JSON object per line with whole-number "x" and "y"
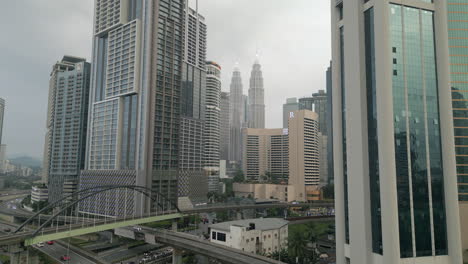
{"x": 50, "y": 242}
{"x": 65, "y": 257}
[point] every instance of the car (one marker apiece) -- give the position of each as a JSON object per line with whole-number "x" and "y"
{"x": 65, "y": 257}
{"x": 40, "y": 244}
{"x": 137, "y": 228}
{"x": 50, "y": 242}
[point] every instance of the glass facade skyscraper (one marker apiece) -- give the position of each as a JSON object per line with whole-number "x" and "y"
{"x": 395, "y": 169}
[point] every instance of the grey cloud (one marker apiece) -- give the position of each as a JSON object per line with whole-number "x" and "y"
{"x": 293, "y": 37}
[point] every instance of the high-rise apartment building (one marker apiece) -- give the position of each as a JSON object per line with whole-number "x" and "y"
{"x": 135, "y": 102}
{"x": 304, "y": 154}
{"x": 67, "y": 124}
{"x": 237, "y": 116}
{"x": 256, "y": 98}
{"x": 224, "y": 126}
{"x": 212, "y": 125}
{"x": 290, "y": 106}
{"x": 395, "y": 173}
{"x": 458, "y": 50}
{"x": 265, "y": 154}
{"x": 192, "y": 180}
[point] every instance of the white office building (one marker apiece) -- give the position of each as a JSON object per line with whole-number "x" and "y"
{"x": 257, "y": 236}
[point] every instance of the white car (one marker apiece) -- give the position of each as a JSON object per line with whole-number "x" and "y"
{"x": 137, "y": 228}
{"x": 40, "y": 244}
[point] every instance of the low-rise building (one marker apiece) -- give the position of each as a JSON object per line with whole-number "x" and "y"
{"x": 258, "y": 236}
{"x": 39, "y": 194}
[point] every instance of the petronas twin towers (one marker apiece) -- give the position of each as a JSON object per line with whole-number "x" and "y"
{"x": 245, "y": 111}
{"x": 256, "y": 98}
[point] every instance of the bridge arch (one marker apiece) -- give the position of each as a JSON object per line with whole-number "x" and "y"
{"x": 81, "y": 195}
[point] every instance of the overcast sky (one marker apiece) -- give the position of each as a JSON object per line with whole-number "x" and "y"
{"x": 292, "y": 37}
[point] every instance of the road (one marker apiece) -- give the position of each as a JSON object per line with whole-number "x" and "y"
{"x": 56, "y": 250}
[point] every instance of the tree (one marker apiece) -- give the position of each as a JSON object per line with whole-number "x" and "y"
{"x": 328, "y": 191}
{"x": 239, "y": 176}
{"x": 190, "y": 259}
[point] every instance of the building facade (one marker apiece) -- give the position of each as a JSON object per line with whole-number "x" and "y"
{"x": 395, "y": 177}
{"x": 67, "y": 124}
{"x": 135, "y": 102}
{"x": 212, "y": 127}
{"x": 319, "y": 100}
{"x": 291, "y": 105}
{"x": 224, "y": 126}
{"x": 192, "y": 181}
{"x": 2, "y": 116}
{"x": 256, "y": 98}
{"x": 306, "y": 103}
{"x": 330, "y": 124}
{"x": 2, "y": 146}
{"x": 304, "y": 155}
{"x": 237, "y": 116}
{"x": 256, "y": 236}
{"x": 458, "y": 34}
{"x": 265, "y": 154}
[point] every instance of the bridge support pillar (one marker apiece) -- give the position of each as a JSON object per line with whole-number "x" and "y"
{"x": 21, "y": 255}
{"x": 177, "y": 256}
{"x": 174, "y": 225}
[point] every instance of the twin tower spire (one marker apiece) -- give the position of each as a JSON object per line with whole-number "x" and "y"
{"x": 245, "y": 111}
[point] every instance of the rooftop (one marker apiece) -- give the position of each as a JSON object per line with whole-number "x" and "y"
{"x": 260, "y": 224}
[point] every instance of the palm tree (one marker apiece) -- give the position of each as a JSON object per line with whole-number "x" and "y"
{"x": 297, "y": 245}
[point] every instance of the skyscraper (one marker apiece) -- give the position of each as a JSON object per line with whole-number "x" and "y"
{"x": 256, "y": 98}
{"x": 304, "y": 155}
{"x": 67, "y": 124}
{"x": 306, "y": 103}
{"x": 458, "y": 34}
{"x": 192, "y": 180}
{"x": 134, "y": 120}
{"x": 291, "y": 105}
{"x": 395, "y": 178}
{"x": 2, "y": 114}
{"x": 330, "y": 125}
{"x": 237, "y": 116}
{"x": 319, "y": 100}
{"x": 224, "y": 126}
{"x": 2, "y": 146}
{"x": 212, "y": 125}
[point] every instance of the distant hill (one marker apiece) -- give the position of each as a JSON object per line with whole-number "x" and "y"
{"x": 26, "y": 161}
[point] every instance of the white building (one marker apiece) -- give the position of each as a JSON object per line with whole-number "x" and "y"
{"x": 39, "y": 194}
{"x": 252, "y": 235}
{"x": 395, "y": 169}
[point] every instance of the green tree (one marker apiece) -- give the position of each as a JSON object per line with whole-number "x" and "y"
{"x": 190, "y": 259}
{"x": 328, "y": 191}
{"x": 239, "y": 176}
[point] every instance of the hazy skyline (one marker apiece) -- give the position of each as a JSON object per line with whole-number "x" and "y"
{"x": 291, "y": 37}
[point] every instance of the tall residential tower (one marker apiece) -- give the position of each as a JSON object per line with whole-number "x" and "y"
{"x": 395, "y": 173}
{"x": 67, "y": 123}
{"x": 212, "y": 125}
{"x": 134, "y": 120}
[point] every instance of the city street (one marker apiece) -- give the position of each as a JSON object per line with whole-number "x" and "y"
{"x": 55, "y": 251}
